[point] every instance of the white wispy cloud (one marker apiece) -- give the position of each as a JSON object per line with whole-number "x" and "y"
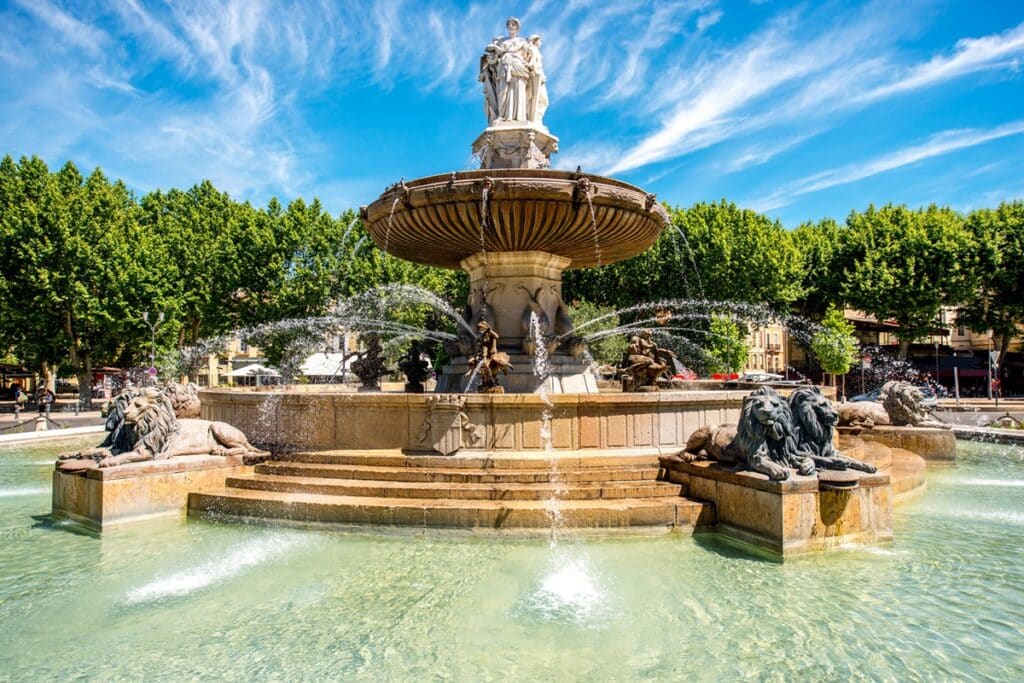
{"x": 174, "y": 92}
{"x": 779, "y": 76}
{"x": 71, "y": 29}
{"x": 969, "y": 55}
{"x": 939, "y": 144}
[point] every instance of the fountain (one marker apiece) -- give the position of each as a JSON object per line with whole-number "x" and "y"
{"x": 517, "y": 434}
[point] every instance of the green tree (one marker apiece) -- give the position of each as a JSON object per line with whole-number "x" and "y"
{"x": 728, "y": 345}
{"x": 606, "y": 350}
{"x": 822, "y": 251}
{"x": 998, "y": 302}
{"x": 834, "y": 345}
{"x": 73, "y": 278}
{"x": 714, "y": 250}
{"x": 906, "y": 265}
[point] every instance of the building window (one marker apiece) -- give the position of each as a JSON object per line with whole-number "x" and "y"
{"x": 243, "y": 347}
{"x": 960, "y": 331}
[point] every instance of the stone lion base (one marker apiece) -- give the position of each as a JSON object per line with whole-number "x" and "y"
{"x": 930, "y": 443}
{"x": 101, "y": 498}
{"x": 790, "y": 517}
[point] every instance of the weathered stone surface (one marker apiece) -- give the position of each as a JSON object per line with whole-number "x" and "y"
{"x": 792, "y": 516}
{"x": 659, "y": 421}
{"x": 929, "y": 443}
{"x": 437, "y": 220}
{"x": 103, "y": 497}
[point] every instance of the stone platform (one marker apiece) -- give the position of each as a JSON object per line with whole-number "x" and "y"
{"x": 799, "y": 515}
{"x": 100, "y": 498}
{"x": 469, "y": 491}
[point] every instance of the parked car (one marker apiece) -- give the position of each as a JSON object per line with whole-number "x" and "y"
{"x": 760, "y": 377}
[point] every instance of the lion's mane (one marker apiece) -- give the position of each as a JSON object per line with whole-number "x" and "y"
{"x": 753, "y": 435}
{"x": 814, "y": 421}
{"x": 155, "y": 424}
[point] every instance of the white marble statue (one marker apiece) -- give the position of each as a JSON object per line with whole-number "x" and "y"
{"x": 512, "y": 74}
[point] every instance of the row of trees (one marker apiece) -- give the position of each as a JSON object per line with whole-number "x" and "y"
{"x": 84, "y": 257}
{"x": 892, "y": 262}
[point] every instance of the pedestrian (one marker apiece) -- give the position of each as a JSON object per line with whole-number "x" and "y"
{"x": 45, "y": 399}
{"x": 20, "y": 399}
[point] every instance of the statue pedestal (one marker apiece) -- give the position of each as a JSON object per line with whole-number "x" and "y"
{"x": 518, "y": 287}
{"x": 789, "y": 517}
{"x": 99, "y": 498}
{"x": 515, "y": 145}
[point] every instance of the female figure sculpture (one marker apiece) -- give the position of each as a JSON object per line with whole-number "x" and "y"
{"x": 512, "y": 78}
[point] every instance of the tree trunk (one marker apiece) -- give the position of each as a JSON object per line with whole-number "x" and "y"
{"x": 49, "y": 379}
{"x": 84, "y": 373}
{"x": 904, "y": 348}
{"x": 80, "y": 361}
{"x": 1004, "y": 348}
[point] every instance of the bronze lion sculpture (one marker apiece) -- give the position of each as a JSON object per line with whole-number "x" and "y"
{"x": 762, "y": 441}
{"x": 905, "y": 405}
{"x": 150, "y": 431}
{"x": 814, "y": 421}
{"x": 184, "y": 398}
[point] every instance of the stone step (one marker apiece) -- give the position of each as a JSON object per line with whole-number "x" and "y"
{"x": 663, "y": 513}
{"x": 458, "y": 491}
{"x": 469, "y": 459}
{"x": 460, "y": 474}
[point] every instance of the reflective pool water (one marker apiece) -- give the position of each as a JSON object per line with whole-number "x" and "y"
{"x": 180, "y": 599}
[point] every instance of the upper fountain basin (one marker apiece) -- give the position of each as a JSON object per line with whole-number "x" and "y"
{"x": 437, "y": 220}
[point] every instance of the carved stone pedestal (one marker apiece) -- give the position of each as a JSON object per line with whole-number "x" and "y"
{"x": 446, "y": 420}
{"x": 99, "y": 498}
{"x": 519, "y": 293}
{"x": 515, "y": 146}
{"x": 789, "y": 517}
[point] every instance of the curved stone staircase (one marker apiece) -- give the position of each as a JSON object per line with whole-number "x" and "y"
{"x": 464, "y": 491}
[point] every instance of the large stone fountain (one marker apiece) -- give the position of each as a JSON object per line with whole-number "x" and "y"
{"x": 552, "y": 451}
{"x": 515, "y": 226}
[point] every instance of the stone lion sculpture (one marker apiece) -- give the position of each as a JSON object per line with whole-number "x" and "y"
{"x": 149, "y": 430}
{"x": 762, "y": 441}
{"x": 905, "y": 405}
{"x": 184, "y": 398}
{"x": 864, "y": 414}
{"x": 814, "y": 421}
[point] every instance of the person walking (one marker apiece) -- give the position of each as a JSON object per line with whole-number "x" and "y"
{"x": 20, "y": 399}
{"x": 45, "y": 398}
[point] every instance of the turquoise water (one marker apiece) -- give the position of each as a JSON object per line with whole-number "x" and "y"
{"x": 185, "y": 599}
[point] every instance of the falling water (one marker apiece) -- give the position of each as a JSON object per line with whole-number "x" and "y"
{"x": 593, "y": 225}
{"x": 542, "y": 370}
{"x": 391, "y": 216}
{"x": 689, "y": 254}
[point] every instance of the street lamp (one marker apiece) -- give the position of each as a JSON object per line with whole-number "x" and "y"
{"x": 152, "y": 328}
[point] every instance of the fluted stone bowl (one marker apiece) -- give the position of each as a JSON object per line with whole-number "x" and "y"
{"x": 437, "y": 220}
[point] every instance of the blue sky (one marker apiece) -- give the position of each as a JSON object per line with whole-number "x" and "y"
{"x": 801, "y": 110}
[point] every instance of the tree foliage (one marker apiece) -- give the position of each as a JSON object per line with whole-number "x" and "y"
{"x": 606, "y": 350}
{"x": 716, "y": 251}
{"x": 834, "y": 345}
{"x": 906, "y": 265}
{"x": 728, "y": 345}
{"x": 997, "y": 303}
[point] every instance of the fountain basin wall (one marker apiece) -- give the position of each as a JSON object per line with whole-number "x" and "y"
{"x": 928, "y": 442}
{"x": 498, "y": 422}
{"x": 306, "y": 419}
